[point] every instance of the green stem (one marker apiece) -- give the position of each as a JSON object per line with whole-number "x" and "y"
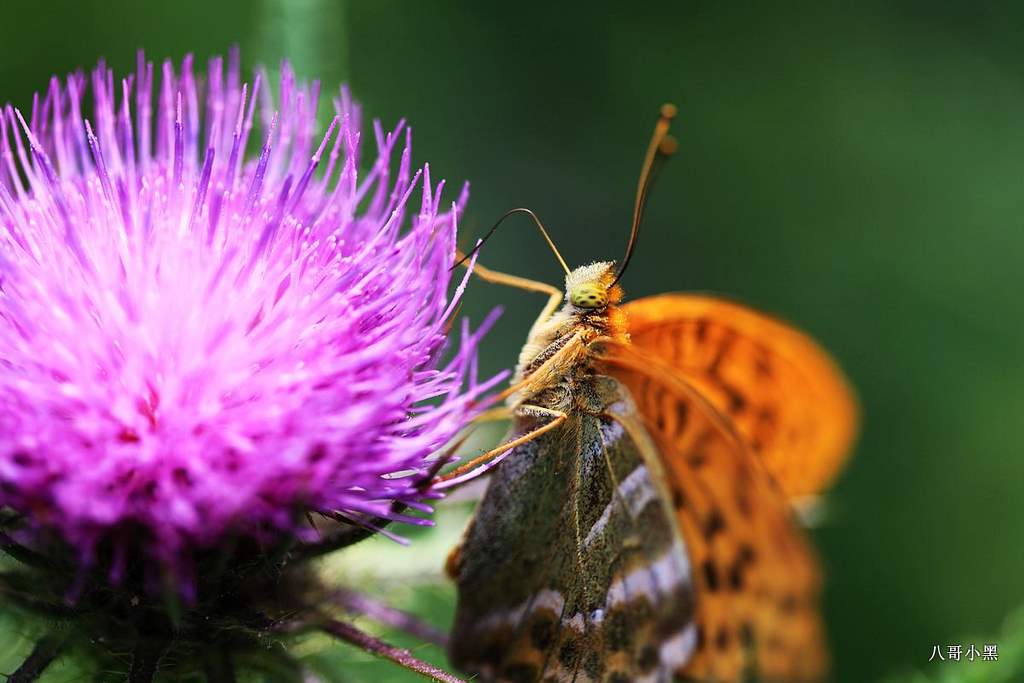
{"x": 43, "y": 654}
{"x": 360, "y": 603}
{"x": 375, "y": 646}
{"x": 24, "y": 555}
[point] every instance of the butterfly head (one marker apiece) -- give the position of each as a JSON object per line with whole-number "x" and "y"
{"x": 590, "y": 289}
{"x": 589, "y": 296}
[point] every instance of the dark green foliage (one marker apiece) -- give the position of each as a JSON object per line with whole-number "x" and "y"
{"x": 246, "y": 597}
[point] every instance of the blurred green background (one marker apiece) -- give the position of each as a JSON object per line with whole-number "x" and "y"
{"x": 856, "y": 168}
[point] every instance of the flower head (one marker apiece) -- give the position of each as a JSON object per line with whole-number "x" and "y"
{"x": 196, "y": 342}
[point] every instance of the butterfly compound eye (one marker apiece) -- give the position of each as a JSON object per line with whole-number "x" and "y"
{"x": 588, "y": 296}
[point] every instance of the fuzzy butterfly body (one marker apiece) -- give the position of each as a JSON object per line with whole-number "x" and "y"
{"x": 639, "y": 529}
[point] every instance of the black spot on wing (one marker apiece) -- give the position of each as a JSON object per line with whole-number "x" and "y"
{"x": 737, "y": 402}
{"x": 735, "y": 577}
{"x": 702, "y": 329}
{"x": 763, "y": 363}
{"x": 722, "y": 639}
{"x": 714, "y": 524}
{"x": 710, "y": 573}
{"x": 648, "y": 659}
{"x": 569, "y": 654}
{"x": 543, "y": 630}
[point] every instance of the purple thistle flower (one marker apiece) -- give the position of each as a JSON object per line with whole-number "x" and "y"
{"x": 195, "y": 343}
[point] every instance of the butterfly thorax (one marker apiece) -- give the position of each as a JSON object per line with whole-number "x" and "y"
{"x": 557, "y": 361}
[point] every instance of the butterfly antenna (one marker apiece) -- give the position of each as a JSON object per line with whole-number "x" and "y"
{"x": 661, "y": 147}
{"x": 536, "y": 221}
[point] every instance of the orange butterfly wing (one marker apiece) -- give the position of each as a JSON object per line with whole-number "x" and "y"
{"x": 756, "y": 577}
{"x": 782, "y": 391}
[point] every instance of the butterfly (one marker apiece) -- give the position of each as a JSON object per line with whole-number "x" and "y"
{"x": 637, "y": 524}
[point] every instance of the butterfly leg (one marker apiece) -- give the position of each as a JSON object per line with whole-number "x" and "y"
{"x": 557, "y": 418}
{"x": 379, "y": 648}
{"x": 494, "y": 415}
{"x": 525, "y": 410}
{"x": 555, "y": 295}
